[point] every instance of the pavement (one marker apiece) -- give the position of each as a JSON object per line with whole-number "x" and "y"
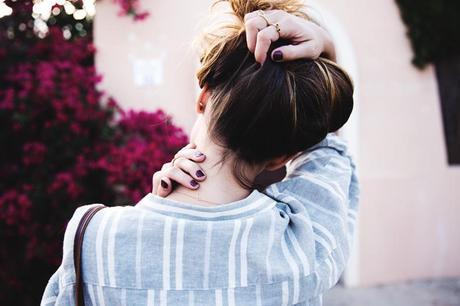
{"x": 439, "y": 292}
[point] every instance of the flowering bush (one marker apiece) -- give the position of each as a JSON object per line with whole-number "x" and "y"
{"x": 131, "y": 8}
{"x": 62, "y": 147}
{"x": 144, "y": 142}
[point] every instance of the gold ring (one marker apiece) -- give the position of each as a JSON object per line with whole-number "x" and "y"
{"x": 277, "y": 27}
{"x": 261, "y": 13}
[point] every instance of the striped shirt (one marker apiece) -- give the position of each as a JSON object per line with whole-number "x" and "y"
{"x": 284, "y": 246}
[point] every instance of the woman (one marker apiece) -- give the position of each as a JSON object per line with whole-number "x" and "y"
{"x": 267, "y": 100}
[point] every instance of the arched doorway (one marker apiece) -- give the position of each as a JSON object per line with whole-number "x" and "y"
{"x": 347, "y": 59}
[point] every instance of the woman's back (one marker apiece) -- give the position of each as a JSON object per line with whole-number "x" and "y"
{"x": 285, "y": 246}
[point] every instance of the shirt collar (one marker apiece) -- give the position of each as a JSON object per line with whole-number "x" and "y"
{"x": 252, "y": 204}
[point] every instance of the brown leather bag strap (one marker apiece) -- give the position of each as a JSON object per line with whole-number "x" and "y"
{"x": 77, "y": 245}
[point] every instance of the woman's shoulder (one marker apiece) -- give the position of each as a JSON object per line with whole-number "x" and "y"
{"x": 110, "y": 220}
{"x": 105, "y": 215}
{"x": 121, "y": 222}
{"x": 114, "y": 220}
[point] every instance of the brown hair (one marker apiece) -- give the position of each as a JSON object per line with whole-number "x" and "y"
{"x": 261, "y": 112}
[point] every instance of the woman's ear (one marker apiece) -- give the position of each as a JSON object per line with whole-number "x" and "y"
{"x": 278, "y": 162}
{"x": 202, "y": 100}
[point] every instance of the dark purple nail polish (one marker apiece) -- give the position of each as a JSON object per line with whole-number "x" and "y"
{"x": 193, "y": 183}
{"x": 199, "y": 154}
{"x": 278, "y": 55}
{"x": 164, "y": 184}
{"x": 199, "y": 173}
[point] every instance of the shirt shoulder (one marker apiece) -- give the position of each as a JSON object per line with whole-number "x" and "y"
{"x": 96, "y": 232}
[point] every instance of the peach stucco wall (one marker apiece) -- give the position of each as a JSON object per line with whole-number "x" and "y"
{"x": 410, "y": 196}
{"x": 410, "y": 201}
{"x": 164, "y": 38}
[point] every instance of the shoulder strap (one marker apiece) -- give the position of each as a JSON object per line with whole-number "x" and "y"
{"x": 78, "y": 242}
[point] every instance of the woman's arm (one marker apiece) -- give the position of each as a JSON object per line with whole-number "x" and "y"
{"x": 321, "y": 194}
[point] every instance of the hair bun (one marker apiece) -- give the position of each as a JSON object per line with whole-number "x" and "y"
{"x": 340, "y": 88}
{"x": 243, "y": 7}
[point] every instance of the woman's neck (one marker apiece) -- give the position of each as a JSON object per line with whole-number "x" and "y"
{"x": 220, "y": 185}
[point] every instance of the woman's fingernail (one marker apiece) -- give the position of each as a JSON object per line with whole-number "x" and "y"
{"x": 199, "y": 154}
{"x": 199, "y": 173}
{"x": 278, "y": 55}
{"x": 193, "y": 183}
{"x": 164, "y": 184}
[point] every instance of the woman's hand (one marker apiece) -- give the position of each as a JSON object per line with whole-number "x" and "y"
{"x": 183, "y": 169}
{"x": 309, "y": 40}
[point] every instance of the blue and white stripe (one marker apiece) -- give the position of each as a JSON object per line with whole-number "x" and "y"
{"x": 284, "y": 246}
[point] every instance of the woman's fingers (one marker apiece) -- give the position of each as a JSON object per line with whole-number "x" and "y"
{"x": 264, "y": 40}
{"x": 308, "y": 39}
{"x": 308, "y": 49}
{"x": 253, "y": 24}
{"x": 165, "y": 187}
{"x": 184, "y": 170}
{"x": 156, "y": 181}
{"x": 190, "y": 153}
{"x": 182, "y": 178}
{"x": 187, "y": 147}
{"x": 190, "y": 167}
{"x": 261, "y": 31}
